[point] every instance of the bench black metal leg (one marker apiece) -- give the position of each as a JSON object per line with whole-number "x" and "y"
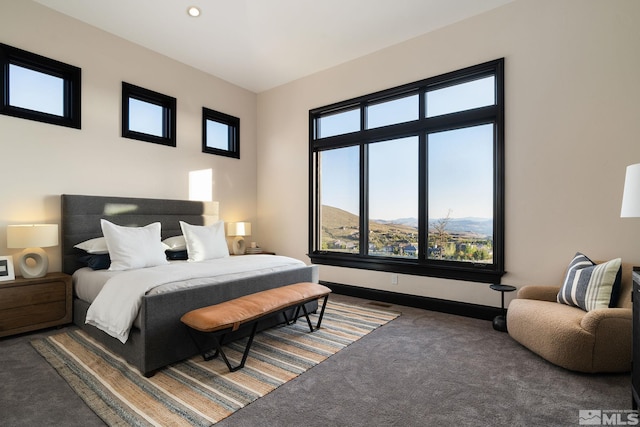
{"x": 324, "y": 305}
{"x": 244, "y": 355}
{"x": 306, "y": 314}
{"x": 194, "y": 338}
{"x": 206, "y": 355}
{"x": 288, "y": 321}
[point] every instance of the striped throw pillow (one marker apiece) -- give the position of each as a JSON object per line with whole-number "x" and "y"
{"x": 589, "y": 285}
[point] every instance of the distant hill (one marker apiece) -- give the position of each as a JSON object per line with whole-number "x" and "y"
{"x": 340, "y": 225}
{"x": 334, "y": 218}
{"x": 481, "y": 226}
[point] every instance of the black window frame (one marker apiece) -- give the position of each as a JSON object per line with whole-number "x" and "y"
{"x": 168, "y": 104}
{"x": 233, "y": 135}
{"x": 72, "y": 86}
{"x": 422, "y": 266}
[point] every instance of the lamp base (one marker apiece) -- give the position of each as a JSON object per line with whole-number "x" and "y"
{"x": 38, "y": 266}
{"x": 239, "y": 246}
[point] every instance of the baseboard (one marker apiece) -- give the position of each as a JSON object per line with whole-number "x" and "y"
{"x": 434, "y": 304}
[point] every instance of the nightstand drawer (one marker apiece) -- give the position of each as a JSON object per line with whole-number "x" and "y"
{"x": 33, "y": 315}
{"x": 22, "y": 296}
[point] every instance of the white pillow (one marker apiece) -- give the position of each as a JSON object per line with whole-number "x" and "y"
{"x": 175, "y": 243}
{"x": 133, "y": 247}
{"x": 95, "y": 246}
{"x": 205, "y": 241}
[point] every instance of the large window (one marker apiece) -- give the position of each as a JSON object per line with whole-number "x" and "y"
{"x": 38, "y": 88}
{"x": 411, "y": 179}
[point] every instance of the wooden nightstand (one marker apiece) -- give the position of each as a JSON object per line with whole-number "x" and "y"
{"x": 30, "y": 304}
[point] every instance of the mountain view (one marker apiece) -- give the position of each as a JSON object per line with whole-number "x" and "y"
{"x": 459, "y": 239}
{"x": 481, "y": 226}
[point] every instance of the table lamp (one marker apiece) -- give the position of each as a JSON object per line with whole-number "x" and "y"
{"x": 33, "y": 261}
{"x": 239, "y": 230}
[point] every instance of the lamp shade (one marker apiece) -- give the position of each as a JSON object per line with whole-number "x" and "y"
{"x": 631, "y": 194}
{"x": 239, "y": 229}
{"x": 32, "y": 235}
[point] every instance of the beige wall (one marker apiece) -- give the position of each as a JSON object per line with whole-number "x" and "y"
{"x": 572, "y": 126}
{"x": 40, "y": 161}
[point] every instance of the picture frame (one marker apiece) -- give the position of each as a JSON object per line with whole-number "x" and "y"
{"x": 6, "y": 269}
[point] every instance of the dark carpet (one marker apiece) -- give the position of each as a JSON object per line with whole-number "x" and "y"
{"x": 421, "y": 369}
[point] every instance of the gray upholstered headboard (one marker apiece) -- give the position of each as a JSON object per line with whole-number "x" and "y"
{"x": 81, "y": 218}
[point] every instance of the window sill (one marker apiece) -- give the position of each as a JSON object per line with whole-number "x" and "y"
{"x": 474, "y": 273}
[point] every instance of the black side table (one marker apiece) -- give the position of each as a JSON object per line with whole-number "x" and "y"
{"x": 500, "y": 322}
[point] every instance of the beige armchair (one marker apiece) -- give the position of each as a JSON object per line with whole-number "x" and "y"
{"x": 596, "y": 341}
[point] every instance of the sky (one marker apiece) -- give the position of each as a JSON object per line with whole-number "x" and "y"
{"x": 36, "y": 91}
{"x": 145, "y": 117}
{"x": 460, "y": 167}
{"x": 460, "y": 176}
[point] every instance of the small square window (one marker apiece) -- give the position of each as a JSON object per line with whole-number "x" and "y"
{"x": 220, "y": 133}
{"x": 148, "y": 116}
{"x": 37, "y": 88}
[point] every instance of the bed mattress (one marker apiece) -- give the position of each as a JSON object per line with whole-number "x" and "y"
{"x": 88, "y": 283}
{"x": 115, "y": 296}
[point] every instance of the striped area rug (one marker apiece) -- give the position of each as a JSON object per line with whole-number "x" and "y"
{"x": 195, "y": 392}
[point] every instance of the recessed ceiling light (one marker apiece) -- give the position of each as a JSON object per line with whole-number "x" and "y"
{"x": 193, "y": 11}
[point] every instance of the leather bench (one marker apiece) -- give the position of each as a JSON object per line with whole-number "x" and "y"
{"x": 228, "y": 316}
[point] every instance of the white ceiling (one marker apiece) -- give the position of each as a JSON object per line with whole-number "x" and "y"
{"x": 261, "y": 44}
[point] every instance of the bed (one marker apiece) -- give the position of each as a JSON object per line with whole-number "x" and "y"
{"x": 158, "y": 338}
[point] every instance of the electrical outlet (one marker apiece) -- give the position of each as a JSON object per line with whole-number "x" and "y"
{"x": 394, "y": 279}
